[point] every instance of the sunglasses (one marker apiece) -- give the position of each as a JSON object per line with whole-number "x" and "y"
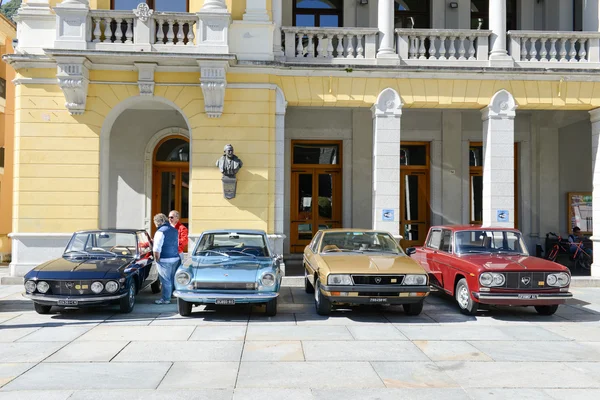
{"x": 171, "y": 217}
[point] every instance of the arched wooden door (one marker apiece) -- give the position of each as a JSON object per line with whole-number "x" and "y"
{"x": 171, "y": 178}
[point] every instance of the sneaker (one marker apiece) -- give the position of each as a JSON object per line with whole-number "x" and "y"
{"x": 161, "y": 301}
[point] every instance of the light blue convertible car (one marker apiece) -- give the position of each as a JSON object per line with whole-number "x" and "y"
{"x": 229, "y": 267}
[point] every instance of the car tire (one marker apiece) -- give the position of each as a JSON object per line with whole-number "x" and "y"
{"x": 413, "y": 309}
{"x": 156, "y": 286}
{"x": 462, "y": 294}
{"x": 41, "y": 309}
{"x": 546, "y": 310}
{"x": 322, "y": 303}
{"x": 271, "y": 309}
{"x": 308, "y": 287}
{"x": 184, "y": 307}
{"x": 128, "y": 302}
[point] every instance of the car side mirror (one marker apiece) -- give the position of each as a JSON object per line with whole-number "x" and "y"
{"x": 410, "y": 251}
{"x": 278, "y": 257}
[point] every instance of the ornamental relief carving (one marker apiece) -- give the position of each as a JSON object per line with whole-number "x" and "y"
{"x": 143, "y": 12}
{"x": 213, "y": 84}
{"x": 73, "y": 80}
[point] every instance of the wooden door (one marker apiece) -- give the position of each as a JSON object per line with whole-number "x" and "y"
{"x": 414, "y": 207}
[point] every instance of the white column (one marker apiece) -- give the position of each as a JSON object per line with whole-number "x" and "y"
{"x": 595, "y": 120}
{"x": 277, "y": 10}
{"x": 387, "y": 112}
{"x": 497, "y": 19}
{"x": 214, "y": 5}
{"x": 591, "y": 15}
{"x": 499, "y": 161}
{"x": 385, "y": 23}
{"x": 280, "y": 109}
{"x": 256, "y": 10}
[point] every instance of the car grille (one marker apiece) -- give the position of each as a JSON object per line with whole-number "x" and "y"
{"x": 225, "y": 285}
{"x": 378, "y": 279}
{"x": 69, "y": 288}
{"x": 526, "y": 280}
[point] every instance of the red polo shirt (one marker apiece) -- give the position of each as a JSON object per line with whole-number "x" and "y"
{"x": 183, "y": 236}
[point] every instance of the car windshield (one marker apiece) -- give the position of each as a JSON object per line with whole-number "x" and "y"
{"x": 232, "y": 244}
{"x": 359, "y": 242}
{"x": 489, "y": 241}
{"x": 122, "y": 244}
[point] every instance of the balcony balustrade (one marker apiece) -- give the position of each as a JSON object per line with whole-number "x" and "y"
{"x": 568, "y": 49}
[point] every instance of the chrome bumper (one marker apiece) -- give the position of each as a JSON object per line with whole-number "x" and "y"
{"x": 515, "y": 296}
{"x": 239, "y": 297}
{"x": 376, "y": 288}
{"x": 80, "y": 300}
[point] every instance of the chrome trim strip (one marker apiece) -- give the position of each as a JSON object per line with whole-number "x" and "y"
{"x": 55, "y": 299}
{"x": 553, "y": 296}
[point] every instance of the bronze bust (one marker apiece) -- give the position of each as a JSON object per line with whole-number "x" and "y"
{"x": 229, "y": 164}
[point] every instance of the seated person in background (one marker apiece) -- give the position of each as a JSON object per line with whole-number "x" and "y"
{"x": 575, "y": 238}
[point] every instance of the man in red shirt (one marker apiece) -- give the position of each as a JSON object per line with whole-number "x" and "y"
{"x": 181, "y": 229}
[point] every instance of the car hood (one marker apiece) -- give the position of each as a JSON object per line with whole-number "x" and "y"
{"x": 80, "y": 268}
{"x": 371, "y": 263}
{"x": 512, "y": 263}
{"x": 216, "y": 269}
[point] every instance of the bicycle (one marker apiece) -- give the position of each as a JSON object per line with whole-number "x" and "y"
{"x": 579, "y": 258}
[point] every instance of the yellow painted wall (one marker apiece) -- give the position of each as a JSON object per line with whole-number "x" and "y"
{"x": 236, "y": 7}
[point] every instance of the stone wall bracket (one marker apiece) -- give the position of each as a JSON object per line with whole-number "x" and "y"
{"x": 213, "y": 81}
{"x": 146, "y": 78}
{"x": 73, "y": 79}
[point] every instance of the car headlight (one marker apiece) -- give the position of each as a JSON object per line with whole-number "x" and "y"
{"x": 268, "y": 279}
{"x": 97, "y": 287}
{"x": 43, "y": 287}
{"x": 30, "y": 286}
{"x": 339, "y": 280}
{"x": 560, "y": 279}
{"x": 415, "y": 280}
{"x": 111, "y": 286}
{"x": 183, "y": 278}
{"x": 491, "y": 279}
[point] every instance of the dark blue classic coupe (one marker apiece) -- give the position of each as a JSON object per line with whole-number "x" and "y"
{"x": 96, "y": 268}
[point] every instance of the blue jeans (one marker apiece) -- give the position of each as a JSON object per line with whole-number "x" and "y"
{"x": 166, "y": 274}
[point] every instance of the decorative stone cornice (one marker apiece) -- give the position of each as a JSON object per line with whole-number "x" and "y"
{"x": 73, "y": 79}
{"x": 213, "y": 82}
{"x": 146, "y": 78}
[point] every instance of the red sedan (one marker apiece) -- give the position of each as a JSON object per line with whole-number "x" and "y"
{"x": 480, "y": 265}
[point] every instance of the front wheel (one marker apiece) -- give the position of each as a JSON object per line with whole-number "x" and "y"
{"x": 413, "y": 308}
{"x": 271, "y": 310}
{"x": 41, "y": 309}
{"x": 546, "y": 310}
{"x": 463, "y": 298}
{"x": 156, "y": 286}
{"x": 128, "y": 302}
{"x": 322, "y": 303}
{"x": 184, "y": 307}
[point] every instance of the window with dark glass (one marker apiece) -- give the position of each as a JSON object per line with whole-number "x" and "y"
{"x": 577, "y": 15}
{"x": 476, "y": 183}
{"x": 413, "y": 155}
{"x": 412, "y": 14}
{"x": 174, "y": 150}
{"x": 316, "y": 154}
{"x": 2, "y": 88}
{"x": 318, "y": 13}
{"x": 1, "y": 157}
{"x": 156, "y": 5}
{"x": 480, "y": 14}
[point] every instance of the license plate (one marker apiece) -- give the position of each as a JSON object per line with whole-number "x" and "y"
{"x": 68, "y": 302}
{"x": 378, "y": 300}
{"x": 528, "y": 296}
{"x": 226, "y": 302}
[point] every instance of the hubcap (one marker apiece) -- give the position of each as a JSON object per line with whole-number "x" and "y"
{"x": 463, "y": 297}
{"x": 131, "y": 295}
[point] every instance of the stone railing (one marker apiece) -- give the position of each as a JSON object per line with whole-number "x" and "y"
{"x": 110, "y": 27}
{"x": 174, "y": 29}
{"x": 330, "y": 45}
{"x": 417, "y": 46}
{"x": 574, "y": 48}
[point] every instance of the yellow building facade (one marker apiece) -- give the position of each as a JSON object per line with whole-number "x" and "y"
{"x": 120, "y": 114}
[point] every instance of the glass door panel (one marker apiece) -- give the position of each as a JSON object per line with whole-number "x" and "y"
{"x": 414, "y": 207}
{"x": 168, "y": 191}
{"x": 185, "y": 199}
{"x": 302, "y": 209}
{"x": 329, "y": 190}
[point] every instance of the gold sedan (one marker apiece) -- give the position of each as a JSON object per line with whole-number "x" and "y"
{"x": 350, "y": 266}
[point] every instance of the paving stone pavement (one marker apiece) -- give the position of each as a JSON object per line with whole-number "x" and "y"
{"x": 223, "y": 353}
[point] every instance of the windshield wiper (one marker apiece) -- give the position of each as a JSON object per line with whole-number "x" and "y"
{"x": 103, "y": 250}
{"x": 216, "y": 252}
{"x": 381, "y": 251}
{"x": 240, "y": 252}
{"x": 475, "y": 252}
